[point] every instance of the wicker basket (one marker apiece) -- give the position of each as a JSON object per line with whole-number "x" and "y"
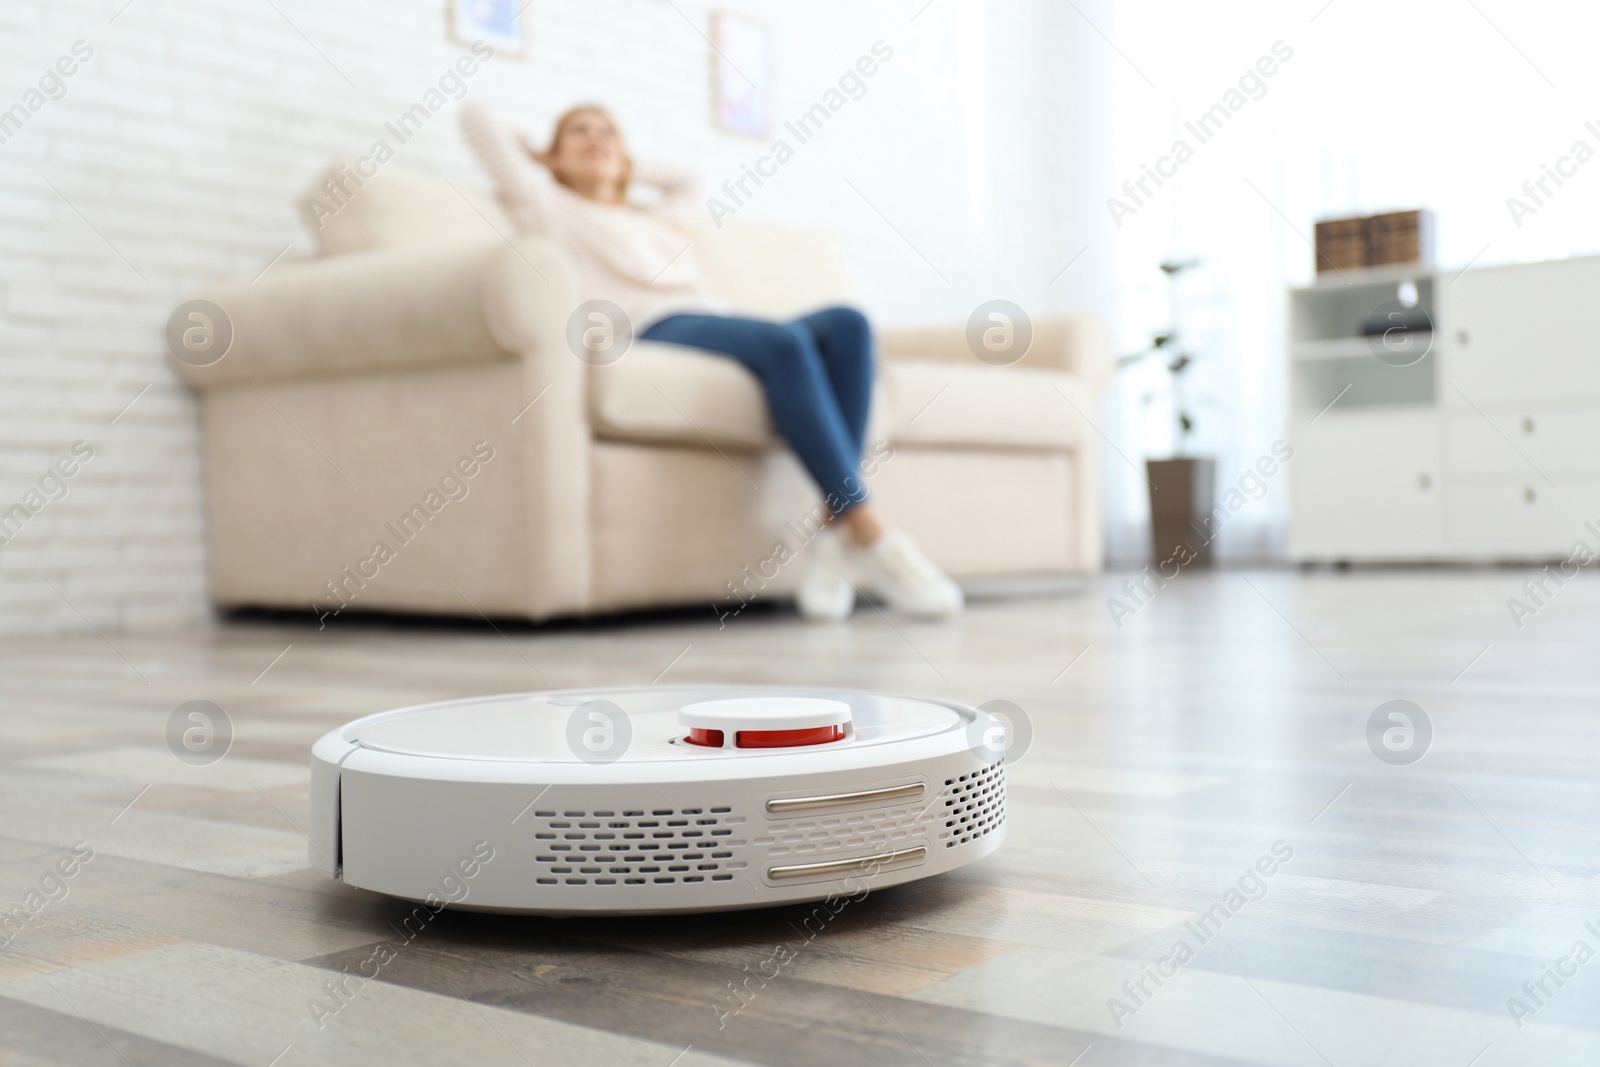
{"x": 1393, "y": 238}
{"x": 1341, "y": 244}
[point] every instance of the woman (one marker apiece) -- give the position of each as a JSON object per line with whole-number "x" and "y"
{"x": 816, "y": 371}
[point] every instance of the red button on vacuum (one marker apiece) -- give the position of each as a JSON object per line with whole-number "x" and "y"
{"x": 775, "y": 721}
{"x": 817, "y": 735}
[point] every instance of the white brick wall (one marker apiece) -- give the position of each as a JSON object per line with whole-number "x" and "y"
{"x": 179, "y": 148}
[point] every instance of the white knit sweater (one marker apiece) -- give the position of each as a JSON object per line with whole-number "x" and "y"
{"x": 637, "y": 256}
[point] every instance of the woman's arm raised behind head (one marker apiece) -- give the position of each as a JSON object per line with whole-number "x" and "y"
{"x": 519, "y": 181}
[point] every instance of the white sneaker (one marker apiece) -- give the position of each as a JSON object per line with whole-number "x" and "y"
{"x": 895, "y": 569}
{"x": 825, "y": 593}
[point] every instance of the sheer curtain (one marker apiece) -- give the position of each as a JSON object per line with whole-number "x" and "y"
{"x": 1447, "y": 104}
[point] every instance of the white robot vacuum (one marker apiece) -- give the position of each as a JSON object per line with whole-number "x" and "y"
{"x": 656, "y": 800}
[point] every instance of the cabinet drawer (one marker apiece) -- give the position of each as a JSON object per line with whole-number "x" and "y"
{"x": 1365, "y": 485}
{"x": 1523, "y": 443}
{"x": 1522, "y": 515}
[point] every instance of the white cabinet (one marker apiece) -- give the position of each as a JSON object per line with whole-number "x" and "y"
{"x": 1487, "y": 447}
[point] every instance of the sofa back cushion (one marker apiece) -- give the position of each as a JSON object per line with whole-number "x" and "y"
{"x": 348, "y": 213}
{"x": 774, "y": 270}
{"x": 761, "y": 268}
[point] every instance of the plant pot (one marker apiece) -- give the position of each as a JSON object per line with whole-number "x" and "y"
{"x": 1182, "y": 496}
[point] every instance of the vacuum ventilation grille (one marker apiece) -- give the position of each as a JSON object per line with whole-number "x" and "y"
{"x": 661, "y": 846}
{"x": 885, "y": 827}
{"x": 973, "y": 804}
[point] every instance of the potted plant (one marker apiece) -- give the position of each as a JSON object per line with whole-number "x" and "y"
{"x": 1183, "y": 487}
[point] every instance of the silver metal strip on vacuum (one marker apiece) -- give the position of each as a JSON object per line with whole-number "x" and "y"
{"x": 906, "y": 857}
{"x": 845, "y": 800}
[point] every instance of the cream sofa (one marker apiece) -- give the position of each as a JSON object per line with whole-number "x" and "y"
{"x": 340, "y": 429}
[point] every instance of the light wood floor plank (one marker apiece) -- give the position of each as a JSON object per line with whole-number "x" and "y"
{"x": 241, "y": 1006}
{"x": 1204, "y": 1011}
{"x": 40, "y": 1037}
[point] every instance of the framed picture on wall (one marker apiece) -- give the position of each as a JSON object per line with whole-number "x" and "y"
{"x": 741, "y": 67}
{"x": 497, "y": 23}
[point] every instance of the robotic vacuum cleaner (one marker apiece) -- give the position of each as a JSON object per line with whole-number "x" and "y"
{"x": 656, "y": 800}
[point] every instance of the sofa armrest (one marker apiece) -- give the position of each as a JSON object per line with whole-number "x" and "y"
{"x": 1077, "y": 344}
{"x": 389, "y": 309}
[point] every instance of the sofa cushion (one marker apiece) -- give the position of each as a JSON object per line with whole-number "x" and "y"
{"x": 388, "y": 210}
{"x": 938, "y": 403}
{"x": 675, "y": 395}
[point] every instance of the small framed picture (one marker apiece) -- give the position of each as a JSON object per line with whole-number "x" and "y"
{"x": 741, "y": 73}
{"x": 497, "y": 23}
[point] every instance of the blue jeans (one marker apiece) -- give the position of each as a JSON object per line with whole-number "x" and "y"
{"x": 817, "y": 375}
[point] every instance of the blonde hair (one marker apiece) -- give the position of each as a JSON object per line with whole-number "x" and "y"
{"x": 567, "y": 119}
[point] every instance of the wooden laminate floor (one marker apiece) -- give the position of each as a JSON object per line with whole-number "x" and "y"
{"x": 1225, "y": 719}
